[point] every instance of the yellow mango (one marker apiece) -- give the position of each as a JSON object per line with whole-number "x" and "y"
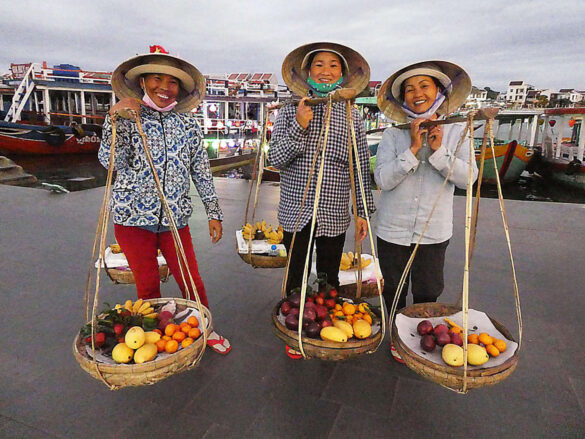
{"x": 331, "y": 333}
{"x": 362, "y": 329}
{"x": 345, "y": 327}
{"x": 145, "y": 353}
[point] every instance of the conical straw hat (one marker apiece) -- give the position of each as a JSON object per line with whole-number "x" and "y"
{"x": 125, "y": 79}
{"x": 295, "y": 68}
{"x": 451, "y": 76}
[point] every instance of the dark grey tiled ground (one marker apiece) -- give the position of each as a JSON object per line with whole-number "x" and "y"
{"x": 256, "y": 391}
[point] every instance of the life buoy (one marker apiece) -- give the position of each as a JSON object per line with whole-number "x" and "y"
{"x": 53, "y": 135}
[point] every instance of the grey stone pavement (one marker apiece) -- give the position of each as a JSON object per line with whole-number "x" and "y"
{"x": 257, "y": 391}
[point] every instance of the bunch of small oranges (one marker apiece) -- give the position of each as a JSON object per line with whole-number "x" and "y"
{"x": 184, "y": 334}
{"x": 493, "y": 346}
{"x": 351, "y": 313}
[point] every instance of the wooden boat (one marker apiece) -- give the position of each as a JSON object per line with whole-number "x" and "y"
{"x": 515, "y": 135}
{"x": 50, "y": 139}
{"x": 230, "y": 162}
{"x": 511, "y": 160}
{"x": 563, "y": 146}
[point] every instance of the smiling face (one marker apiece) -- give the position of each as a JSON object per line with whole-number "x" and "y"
{"x": 163, "y": 89}
{"x": 325, "y": 68}
{"x": 420, "y": 93}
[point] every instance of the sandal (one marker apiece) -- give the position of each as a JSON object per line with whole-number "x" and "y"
{"x": 396, "y": 355}
{"x": 218, "y": 343}
{"x": 293, "y": 355}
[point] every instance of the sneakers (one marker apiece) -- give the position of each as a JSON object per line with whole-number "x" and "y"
{"x": 293, "y": 355}
{"x": 396, "y": 355}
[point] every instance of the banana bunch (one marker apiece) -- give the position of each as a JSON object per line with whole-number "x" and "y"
{"x": 260, "y": 230}
{"x": 349, "y": 261}
{"x": 274, "y": 236}
{"x": 248, "y": 231}
{"x": 115, "y": 248}
{"x": 140, "y": 307}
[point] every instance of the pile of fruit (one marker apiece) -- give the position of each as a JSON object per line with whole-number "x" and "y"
{"x": 139, "y": 331}
{"x": 349, "y": 261}
{"x": 328, "y": 317}
{"x": 261, "y": 230}
{"x": 479, "y": 348}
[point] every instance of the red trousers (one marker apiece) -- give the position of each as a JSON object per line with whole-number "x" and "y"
{"x": 141, "y": 246}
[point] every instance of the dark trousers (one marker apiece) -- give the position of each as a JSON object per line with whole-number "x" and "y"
{"x": 140, "y": 247}
{"x": 426, "y": 272}
{"x": 329, "y": 250}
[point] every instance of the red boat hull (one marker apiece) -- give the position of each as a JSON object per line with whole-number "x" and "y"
{"x": 72, "y": 145}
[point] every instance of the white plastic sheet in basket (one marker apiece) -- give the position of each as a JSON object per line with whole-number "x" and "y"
{"x": 409, "y": 336}
{"x": 258, "y": 245}
{"x": 119, "y": 261}
{"x": 348, "y": 277}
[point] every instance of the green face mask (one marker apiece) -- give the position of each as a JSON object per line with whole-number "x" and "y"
{"x": 323, "y": 88}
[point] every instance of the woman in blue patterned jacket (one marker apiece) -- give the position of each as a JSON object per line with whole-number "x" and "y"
{"x": 316, "y": 70}
{"x": 162, "y": 89}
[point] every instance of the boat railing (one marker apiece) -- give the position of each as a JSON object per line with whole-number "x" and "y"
{"x": 70, "y": 75}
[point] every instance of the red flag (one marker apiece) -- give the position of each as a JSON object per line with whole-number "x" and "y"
{"x": 158, "y": 49}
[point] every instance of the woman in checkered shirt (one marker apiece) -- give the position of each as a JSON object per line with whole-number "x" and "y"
{"x": 316, "y": 70}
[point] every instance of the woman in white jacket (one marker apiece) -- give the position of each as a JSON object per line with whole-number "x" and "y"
{"x": 411, "y": 166}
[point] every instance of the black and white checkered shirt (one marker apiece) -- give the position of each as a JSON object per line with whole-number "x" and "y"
{"x": 292, "y": 149}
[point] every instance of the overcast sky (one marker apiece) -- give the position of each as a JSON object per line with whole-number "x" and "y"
{"x": 540, "y": 42}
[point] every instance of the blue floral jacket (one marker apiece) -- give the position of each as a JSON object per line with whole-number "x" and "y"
{"x": 177, "y": 150}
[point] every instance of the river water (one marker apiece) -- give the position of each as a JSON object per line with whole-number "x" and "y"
{"x": 83, "y": 171}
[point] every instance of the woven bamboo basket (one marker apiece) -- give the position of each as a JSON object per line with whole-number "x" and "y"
{"x": 124, "y": 375}
{"x": 369, "y": 289}
{"x": 262, "y": 261}
{"x": 321, "y": 349}
{"x": 127, "y": 276}
{"x": 443, "y": 374}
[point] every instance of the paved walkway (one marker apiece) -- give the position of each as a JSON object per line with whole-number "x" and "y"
{"x": 256, "y": 391}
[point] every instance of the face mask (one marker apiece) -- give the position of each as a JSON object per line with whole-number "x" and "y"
{"x": 150, "y": 103}
{"x": 323, "y": 88}
{"x": 432, "y": 110}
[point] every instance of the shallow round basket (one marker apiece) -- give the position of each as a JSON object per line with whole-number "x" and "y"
{"x": 127, "y": 276}
{"x": 124, "y": 375}
{"x": 443, "y": 374}
{"x": 321, "y": 349}
{"x": 261, "y": 261}
{"x": 369, "y": 289}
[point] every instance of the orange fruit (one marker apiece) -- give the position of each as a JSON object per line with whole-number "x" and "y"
{"x": 172, "y": 346}
{"x": 455, "y": 330}
{"x": 338, "y": 307}
{"x": 194, "y": 333}
{"x": 368, "y": 318}
{"x": 179, "y": 336}
{"x": 187, "y": 342}
{"x": 500, "y": 345}
{"x": 193, "y": 321}
{"x": 485, "y": 338}
{"x": 492, "y": 350}
{"x": 185, "y": 327}
{"x": 160, "y": 345}
{"x": 473, "y": 338}
{"x": 170, "y": 329}
{"x": 166, "y": 338}
{"x": 158, "y": 331}
{"x": 338, "y": 314}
